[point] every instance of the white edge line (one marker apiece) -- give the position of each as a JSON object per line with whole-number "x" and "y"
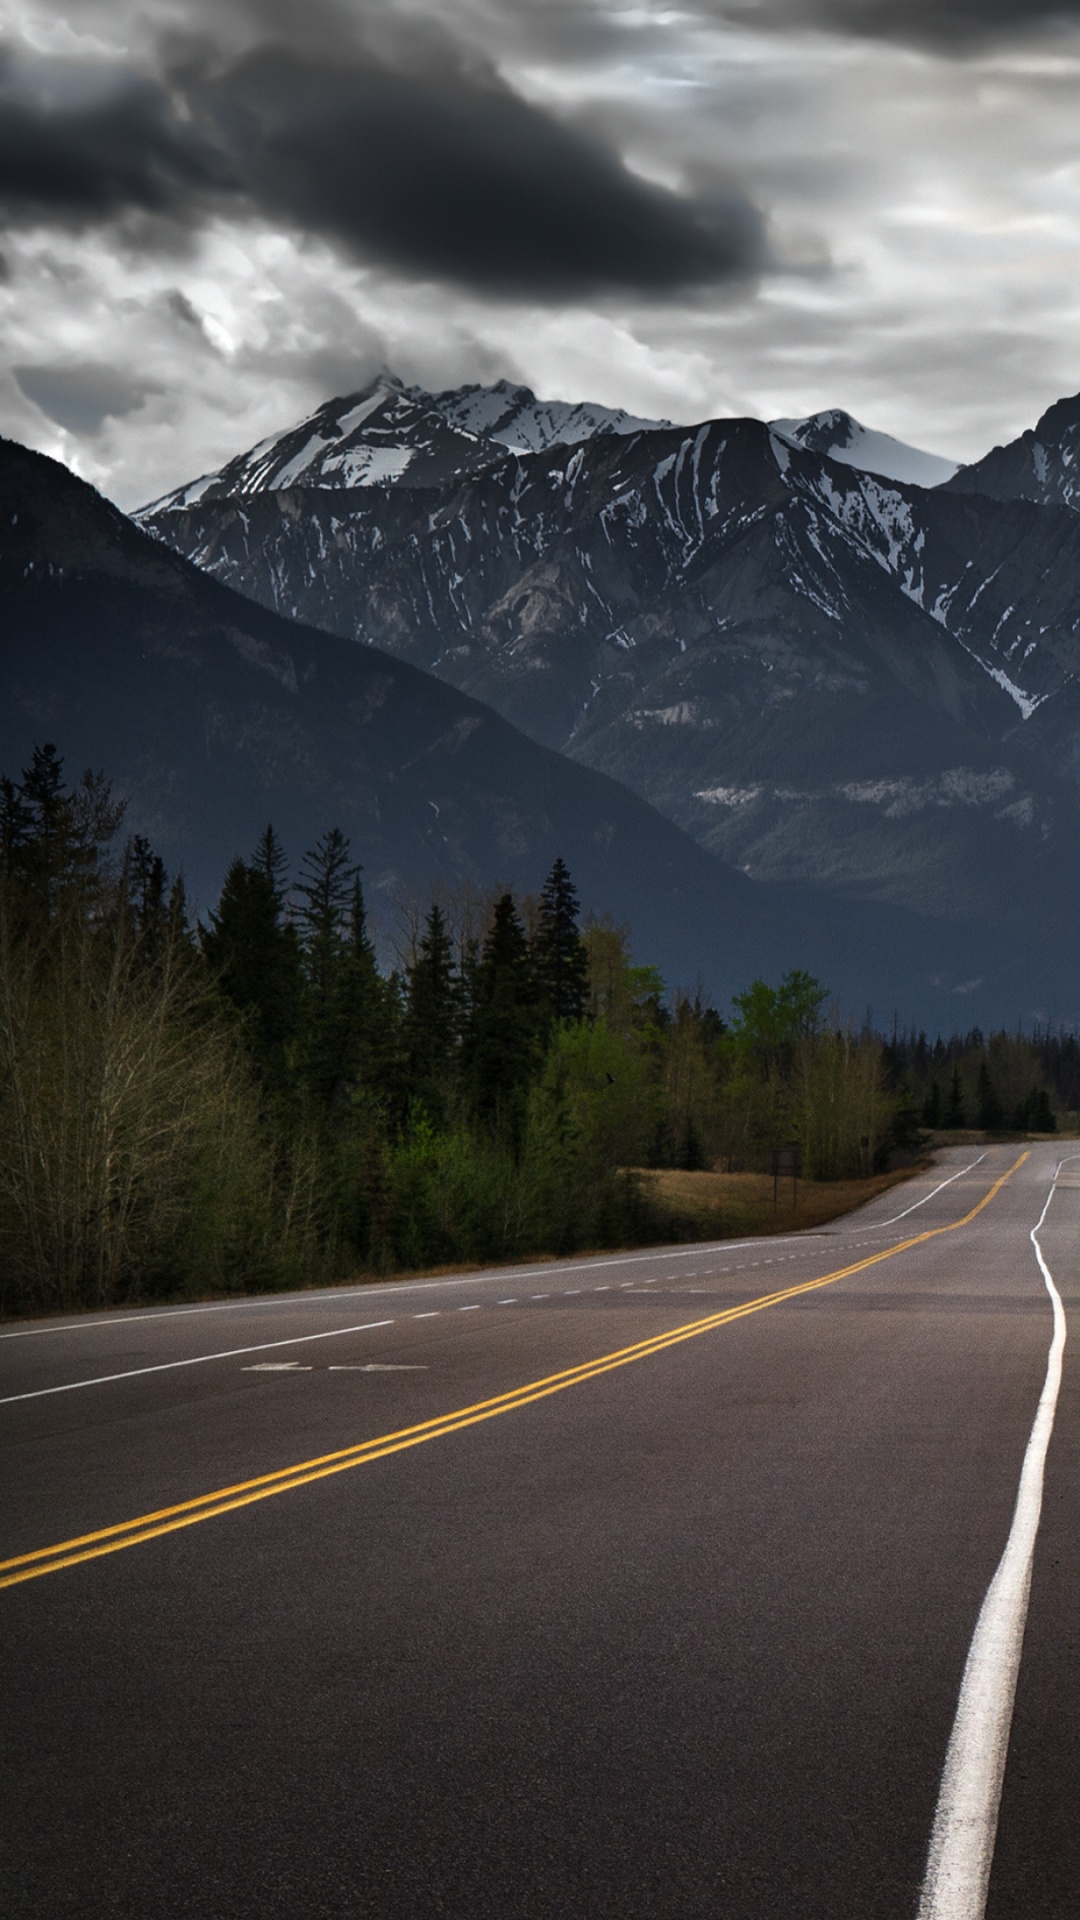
{"x": 295, "y": 1301}
{"x": 965, "y": 1822}
{"x": 876, "y": 1225}
{"x": 196, "y": 1360}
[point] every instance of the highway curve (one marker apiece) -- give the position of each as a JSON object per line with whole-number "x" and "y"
{"x": 630, "y": 1588}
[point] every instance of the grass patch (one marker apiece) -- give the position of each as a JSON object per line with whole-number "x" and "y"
{"x": 731, "y": 1206}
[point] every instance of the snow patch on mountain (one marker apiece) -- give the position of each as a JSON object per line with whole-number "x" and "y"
{"x": 839, "y": 436}
{"x": 389, "y": 430}
{"x": 516, "y": 419}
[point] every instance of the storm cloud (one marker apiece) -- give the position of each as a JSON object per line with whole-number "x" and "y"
{"x": 448, "y": 175}
{"x": 220, "y": 212}
{"x": 81, "y": 396}
{"x": 942, "y": 26}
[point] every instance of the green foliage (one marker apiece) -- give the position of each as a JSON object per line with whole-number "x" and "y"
{"x": 262, "y": 1106}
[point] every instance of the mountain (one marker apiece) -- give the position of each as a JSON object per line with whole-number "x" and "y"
{"x": 1043, "y": 465}
{"x": 841, "y": 437}
{"x": 392, "y": 435}
{"x": 213, "y": 715}
{"x": 823, "y": 676}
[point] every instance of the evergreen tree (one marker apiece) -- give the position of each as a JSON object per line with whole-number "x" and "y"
{"x": 430, "y": 1026}
{"x": 931, "y": 1113}
{"x": 1042, "y": 1117}
{"x": 57, "y": 837}
{"x": 991, "y": 1117}
{"x": 255, "y": 957}
{"x": 955, "y": 1110}
{"x": 501, "y": 1040}
{"x": 363, "y": 1021}
{"x": 16, "y": 823}
{"x": 328, "y": 879}
{"x": 559, "y": 957}
{"x": 269, "y": 860}
{"x": 143, "y": 885}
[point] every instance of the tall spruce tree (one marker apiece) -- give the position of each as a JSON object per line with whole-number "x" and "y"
{"x": 502, "y": 1035}
{"x": 955, "y": 1110}
{"x": 254, "y": 954}
{"x": 431, "y": 1024}
{"x": 369, "y": 1010}
{"x": 57, "y": 836}
{"x": 269, "y": 860}
{"x": 559, "y": 957}
{"x": 327, "y": 893}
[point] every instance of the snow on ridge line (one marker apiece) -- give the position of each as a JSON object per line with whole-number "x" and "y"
{"x": 336, "y": 446}
{"x": 839, "y": 436}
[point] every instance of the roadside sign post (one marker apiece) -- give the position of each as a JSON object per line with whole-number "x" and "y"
{"x": 786, "y": 1164}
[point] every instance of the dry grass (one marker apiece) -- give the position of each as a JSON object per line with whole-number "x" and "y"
{"x": 706, "y": 1206}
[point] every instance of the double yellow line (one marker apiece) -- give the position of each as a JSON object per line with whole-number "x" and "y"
{"x": 208, "y": 1506}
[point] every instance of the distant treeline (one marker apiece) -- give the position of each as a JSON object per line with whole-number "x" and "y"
{"x": 256, "y": 1102}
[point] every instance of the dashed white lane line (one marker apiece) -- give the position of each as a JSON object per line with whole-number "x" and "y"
{"x": 473, "y": 1309}
{"x": 571, "y": 1289}
{"x": 380, "y": 1366}
{"x": 196, "y": 1360}
{"x": 965, "y": 1823}
{"x": 432, "y": 1314}
{"x": 541, "y": 1296}
{"x": 507, "y": 1303}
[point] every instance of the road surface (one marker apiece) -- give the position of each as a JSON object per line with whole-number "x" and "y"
{"x": 630, "y": 1588}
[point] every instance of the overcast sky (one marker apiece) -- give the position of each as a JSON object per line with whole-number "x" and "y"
{"x": 219, "y": 213}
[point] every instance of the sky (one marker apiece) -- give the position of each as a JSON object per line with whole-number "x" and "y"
{"x": 218, "y": 214}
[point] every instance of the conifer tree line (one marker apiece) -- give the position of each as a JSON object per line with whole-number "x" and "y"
{"x": 254, "y": 1101}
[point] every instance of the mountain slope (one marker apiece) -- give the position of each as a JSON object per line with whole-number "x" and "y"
{"x": 388, "y": 434}
{"x": 214, "y": 715}
{"x": 1043, "y": 465}
{"x": 820, "y": 674}
{"x": 839, "y": 436}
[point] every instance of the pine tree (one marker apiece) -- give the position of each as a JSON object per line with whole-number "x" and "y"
{"x": 559, "y": 957}
{"x": 501, "y": 1041}
{"x": 144, "y": 883}
{"x": 362, "y": 1026}
{"x": 1042, "y": 1116}
{"x": 430, "y": 1026}
{"x": 16, "y": 823}
{"x": 269, "y": 860}
{"x": 61, "y": 834}
{"x": 991, "y": 1117}
{"x": 255, "y": 956}
{"x": 955, "y": 1110}
{"x": 326, "y": 889}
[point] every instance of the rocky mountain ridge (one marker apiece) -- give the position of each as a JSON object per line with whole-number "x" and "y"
{"x": 213, "y": 715}
{"x": 821, "y": 674}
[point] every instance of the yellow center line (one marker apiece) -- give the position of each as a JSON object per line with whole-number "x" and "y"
{"x": 207, "y": 1506}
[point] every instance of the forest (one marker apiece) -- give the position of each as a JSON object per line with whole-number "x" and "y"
{"x": 265, "y": 1099}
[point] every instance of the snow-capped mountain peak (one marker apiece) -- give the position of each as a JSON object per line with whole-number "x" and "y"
{"x": 390, "y": 434}
{"x": 839, "y": 436}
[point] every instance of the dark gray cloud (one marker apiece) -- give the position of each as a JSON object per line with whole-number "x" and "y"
{"x": 943, "y": 26}
{"x": 80, "y": 396}
{"x": 83, "y": 143}
{"x": 440, "y": 169}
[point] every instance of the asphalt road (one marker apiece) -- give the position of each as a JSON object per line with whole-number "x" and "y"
{"x": 678, "y": 1634}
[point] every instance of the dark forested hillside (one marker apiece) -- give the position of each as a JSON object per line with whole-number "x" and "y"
{"x": 214, "y": 715}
